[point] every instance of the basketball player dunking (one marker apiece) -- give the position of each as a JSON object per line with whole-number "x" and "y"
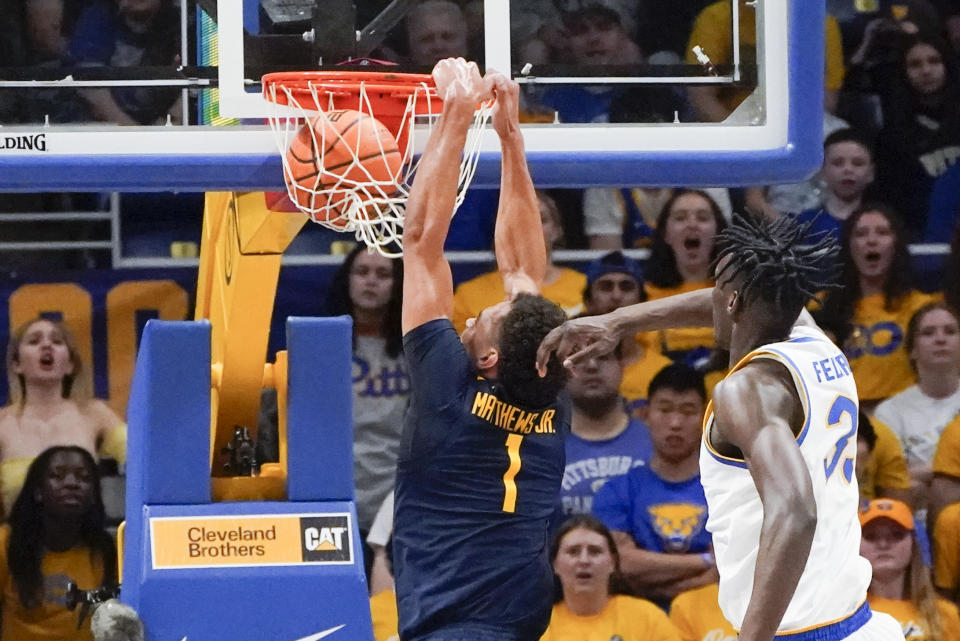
{"x": 777, "y": 458}
{"x": 481, "y": 453}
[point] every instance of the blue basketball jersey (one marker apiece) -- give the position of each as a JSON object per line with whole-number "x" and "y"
{"x": 477, "y": 484}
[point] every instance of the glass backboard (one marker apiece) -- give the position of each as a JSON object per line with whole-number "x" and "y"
{"x": 616, "y": 92}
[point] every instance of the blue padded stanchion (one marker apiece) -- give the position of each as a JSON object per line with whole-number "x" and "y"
{"x": 242, "y": 571}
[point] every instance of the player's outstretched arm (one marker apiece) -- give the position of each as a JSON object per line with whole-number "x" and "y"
{"x": 427, "y": 283}
{"x": 753, "y": 410}
{"x": 518, "y": 236}
{"x": 582, "y": 338}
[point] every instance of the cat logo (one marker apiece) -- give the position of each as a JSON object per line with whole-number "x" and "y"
{"x": 326, "y": 539}
{"x": 677, "y": 523}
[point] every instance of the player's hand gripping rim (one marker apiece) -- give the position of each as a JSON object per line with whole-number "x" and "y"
{"x": 577, "y": 340}
{"x": 458, "y": 80}
{"x": 506, "y": 112}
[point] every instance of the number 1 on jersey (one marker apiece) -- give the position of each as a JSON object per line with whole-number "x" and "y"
{"x": 509, "y": 482}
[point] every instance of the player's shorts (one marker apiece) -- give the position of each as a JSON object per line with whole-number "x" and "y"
{"x": 862, "y": 625}
{"x": 880, "y": 627}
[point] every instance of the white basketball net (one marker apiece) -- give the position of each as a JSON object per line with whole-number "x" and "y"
{"x": 373, "y": 210}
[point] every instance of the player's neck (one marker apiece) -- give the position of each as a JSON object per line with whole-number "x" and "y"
{"x": 597, "y": 423}
{"x": 676, "y": 471}
{"x": 585, "y": 604}
{"x": 889, "y": 587}
{"x": 745, "y": 340}
{"x": 938, "y": 384}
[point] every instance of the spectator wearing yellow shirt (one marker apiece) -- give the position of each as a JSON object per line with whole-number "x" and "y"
{"x": 946, "y": 552}
{"x": 712, "y": 31}
{"x": 901, "y": 584}
{"x": 919, "y": 414}
{"x": 562, "y": 285}
{"x": 881, "y": 466}
{"x": 589, "y": 608}
{"x": 682, "y": 251}
{"x": 696, "y": 614}
{"x": 869, "y": 313}
{"x": 55, "y": 535}
{"x": 615, "y": 281}
{"x": 945, "y": 487}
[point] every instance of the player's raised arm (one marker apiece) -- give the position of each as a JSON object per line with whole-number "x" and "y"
{"x": 518, "y": 236}
{"x": 754, "y": 409}
{"x": 427, "y": 283}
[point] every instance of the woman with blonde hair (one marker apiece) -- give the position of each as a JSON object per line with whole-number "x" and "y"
{"x": 901, "y": 584}
{"x": 49, "y": 403}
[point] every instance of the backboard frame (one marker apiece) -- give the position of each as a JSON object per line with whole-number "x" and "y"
{"x": 786, "y": 147}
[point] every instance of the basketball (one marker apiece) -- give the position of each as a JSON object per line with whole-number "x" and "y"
{"x": 334, "y": 156}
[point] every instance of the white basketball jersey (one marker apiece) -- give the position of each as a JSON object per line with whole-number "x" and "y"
{"x": 834, "y": 582}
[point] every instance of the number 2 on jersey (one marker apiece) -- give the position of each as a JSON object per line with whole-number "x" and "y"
{"x": 843, "y": 405}
{"x": 509, "y": 477}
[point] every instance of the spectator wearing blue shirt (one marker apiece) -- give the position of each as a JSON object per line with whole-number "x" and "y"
{"x": 848, "y": 171}
{"x": 129, "y": 33}
{"x": 599, "y": 33}
{"x": 658, "y": 512}
{"x": 605, "y": 440}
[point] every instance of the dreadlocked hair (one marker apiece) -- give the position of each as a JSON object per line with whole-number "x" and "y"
{"x": 774, "y": 262}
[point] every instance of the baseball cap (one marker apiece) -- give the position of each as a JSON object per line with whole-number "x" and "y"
{"x": 896, "y": 511}
{"x": 614, "y": 263}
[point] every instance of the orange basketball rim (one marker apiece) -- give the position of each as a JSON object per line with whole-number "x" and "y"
{"x": 372, "y": 209}
{"x": 392, "y": 98}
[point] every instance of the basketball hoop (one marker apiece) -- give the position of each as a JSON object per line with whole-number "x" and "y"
{"x": 347, "y": 197}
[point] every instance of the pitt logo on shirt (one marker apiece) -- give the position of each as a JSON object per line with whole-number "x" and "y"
{"x": 509, "y": 417}
{"x": 677, "y": 523}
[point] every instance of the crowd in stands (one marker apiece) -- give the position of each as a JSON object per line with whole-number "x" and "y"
{"x": 634, "y": 558}
{"x": 46, "y": 35}
{"x": 634, "y": 538}
{"x": 891, "y": 79}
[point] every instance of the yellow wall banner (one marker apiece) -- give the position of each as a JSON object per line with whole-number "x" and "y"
{"x": 250, "y": 540}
